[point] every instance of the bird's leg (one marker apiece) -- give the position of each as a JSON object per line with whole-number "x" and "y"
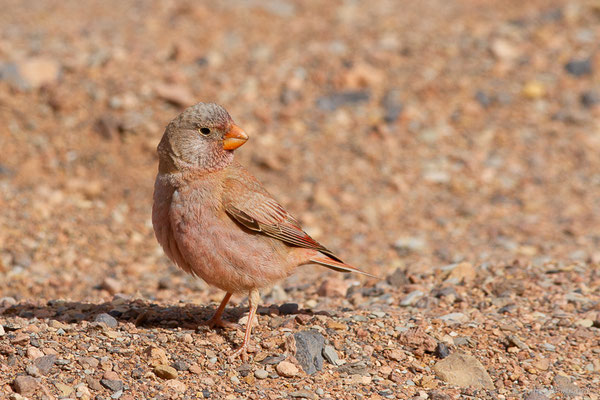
{"x": 216, "y": 319}
{"x": 253, "y": 299}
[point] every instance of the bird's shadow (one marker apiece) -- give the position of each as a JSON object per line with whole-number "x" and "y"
{"x": 142, "y": 313}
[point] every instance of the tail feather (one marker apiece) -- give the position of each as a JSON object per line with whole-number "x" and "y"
{"x": 338, "y": 266}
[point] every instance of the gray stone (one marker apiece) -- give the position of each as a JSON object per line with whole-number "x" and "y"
{"x": 261, "y": 374}
{"x": 331, "y": 355}
{"x": 107, "y": 319}
{"x": 113, "y": 385}
{"x": 411, "y": 298}
{"x": 335, "y": 100}
{"x": 309, "y": 348}
{"x": 564, "y": 385}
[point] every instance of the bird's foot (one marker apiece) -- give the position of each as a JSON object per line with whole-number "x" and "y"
{"x": 219, "y": 323}
{"x": 242, "y": 352}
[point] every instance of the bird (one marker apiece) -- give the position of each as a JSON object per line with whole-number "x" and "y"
{"x": 216, "y": 221}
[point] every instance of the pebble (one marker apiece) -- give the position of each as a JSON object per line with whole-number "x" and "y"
{"x": 2, "y": 333}
{"x": 113, "y": 385}
{"x": 454, "y": 318}
{"x": 25, "y": 385}
{"x": 392, "y": 105}
{"x": 181, "y": 365}
{"x": 44, "y": 364}
{"x": 176, "y": 385}
{"x": 589, "y": 98}
{"x": 331, "y": 355}
{"x": 39, "y": 71}
{"x": 441, "y": 350}
{"x": 335, "y": 100}
{"x": 534, "y": 90}
{"x": 410, "y": 244}
{"x": 288, "y": 308}
{"x": 309, "y": 348}
{"x": 107, "y": 319}
{"x": 177, "y": 94}
{"x": 165, "y": 372}
{"x": 564, "y": 385}
{"x": 579, "y": 68}
{"x": 156, "y": 356}
{"x": 112, "y": 285}
{"x": 398, "y": 278}
{"x": 463, "y": 370}
{"x": 195, "y": 369}
{"x": 586, "y": 323}
{"x": 261, "y": 374}
{"x": 287, "y": 369}
{"x": 411, "y": 298}
{"x": 303, "y": 394}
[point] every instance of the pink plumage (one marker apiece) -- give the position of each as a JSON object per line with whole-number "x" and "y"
{"x": 216, "y": 221}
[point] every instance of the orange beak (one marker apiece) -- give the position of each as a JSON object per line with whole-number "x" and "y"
{"x": 234, "y": 138}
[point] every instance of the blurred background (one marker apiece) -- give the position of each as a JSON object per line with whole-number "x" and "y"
{"x": 401, "y": 134}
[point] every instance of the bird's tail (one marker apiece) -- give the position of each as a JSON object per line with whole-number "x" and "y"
{"x": 338, "y": 266}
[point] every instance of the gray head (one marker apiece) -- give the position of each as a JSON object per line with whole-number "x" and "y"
{"x": 202, "y": 137}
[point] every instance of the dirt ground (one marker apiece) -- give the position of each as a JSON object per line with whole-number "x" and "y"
{"x": 450, "y": 147}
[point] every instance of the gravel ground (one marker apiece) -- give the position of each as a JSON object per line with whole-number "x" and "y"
{"x": 451, "y": 148}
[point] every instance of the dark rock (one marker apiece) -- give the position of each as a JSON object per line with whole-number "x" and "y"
{"x": 507, "y": 309}
{"x": 579, "y": 67}
{"x": 24, "y": 384}
{"x": 288, "y": 308}
{"x": 438, "y": 395}
{"x": 335, "y": 100}
{"x": 441, "y": 350}
{"x": 272, "y": 360}
{"x": 107, "y": 319}
{"x": 392, "y": 105}
{"x": 483, "y": 99}
{"x": 309, "y": 348}
{"x": 244, "y": 370}
{"x": 113, "y": 385}
{"x": 589, "y": 98}
{"x": 181, "y": 365}
{"x": 44, "y": 364}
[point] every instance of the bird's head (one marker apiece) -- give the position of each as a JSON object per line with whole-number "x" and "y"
{"x": 202, "y": 137}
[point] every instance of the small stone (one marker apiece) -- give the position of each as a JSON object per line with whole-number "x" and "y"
{"x": 107, "y": 319}
{"x": 579, "y": 68}
{"x": 589, "y": 98}
{"x": 112, "y": 385}
{"x": 396, "y": 355}
{"x": 411, "y": 298}
{"x": 536, "y": 395}
{"x": 333, "y": 287}
{"x": 463, "y": 370}
{"x": 111, "y": 376}
{"x": 33, "y": 353}
{"x": 20, "y": 339}
{"x": 331, "y": 355}
{"x": 504, "y": 50}
{"x": 82, "y": 392}
{"x": 288, "y": 308}
{"x": 564, "y": 385}
{"x": 165, "y": 372}
{"x": 335, "y": 100}
{"x": 460, "y": 273}
{"x": 25, "y": 385}
{"x": 441, "y": 350}
{"x": 287, "y": 369}
{"x": 176, "y": 385}
{"x": 195, "y": 369}
{"x": 392, "y": 105}
{"x": 156, "y": 356}
{"x": 338, "y": 326}
{"x": 542, "y": 364}
{"x": 586, "y": 323}
{"x": 309, "y": 348}
{"x": 65, "y": 390}
{"x": 261, "y": 374}
{"x": 454, "y": 318}
{"x": 410, "y": 244}
{"x": 44, "y": 364}
{"x": 111, "y": 285}
{"x": 303, "y": 394}
{"x": 88, "y": 362}
{"x": 2, "y": 333}
{"x": 534, "y": 90}
{"x": 39, "y": 71}
{"x": 181, "y": 366}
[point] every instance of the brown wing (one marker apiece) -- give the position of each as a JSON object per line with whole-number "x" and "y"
{"x": 248, "y": 203}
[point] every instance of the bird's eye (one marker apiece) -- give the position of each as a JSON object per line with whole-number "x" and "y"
{"x": 204, "y": 131}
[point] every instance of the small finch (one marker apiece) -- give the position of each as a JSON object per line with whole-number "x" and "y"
{"x": 216, "y": 221}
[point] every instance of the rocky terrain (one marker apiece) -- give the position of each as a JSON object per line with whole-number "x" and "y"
{"x": 451, "y": 148}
